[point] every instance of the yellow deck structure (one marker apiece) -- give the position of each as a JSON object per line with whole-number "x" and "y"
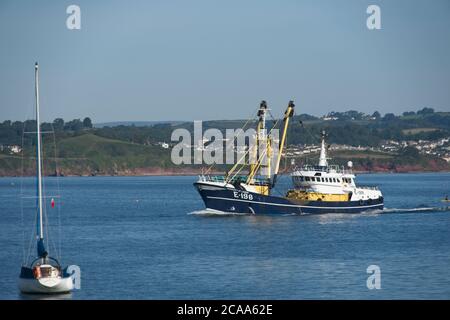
{"x": 316, "y": 196}
{"x": 262, "y": 189}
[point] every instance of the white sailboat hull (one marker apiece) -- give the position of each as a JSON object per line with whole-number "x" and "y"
{"x": 46, "y": 285}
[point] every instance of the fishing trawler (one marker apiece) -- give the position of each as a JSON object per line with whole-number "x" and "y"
{"x": 317, "y": 189}
{"x": 44, "y": 274}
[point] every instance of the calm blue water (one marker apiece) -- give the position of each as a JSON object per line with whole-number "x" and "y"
{"x": 134, "y": 238}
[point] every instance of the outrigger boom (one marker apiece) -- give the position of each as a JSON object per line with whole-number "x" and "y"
{"x": 287, "y": 115}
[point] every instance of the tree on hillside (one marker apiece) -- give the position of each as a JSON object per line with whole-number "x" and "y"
{"x": 425, "y": 111}
{"x": 408, "y": 113}
{"x": 87, "y": 123}
{"x": 389, "y": 117}
{"x": 74, "y": 125}
{"x": 376, "y": 115}
{"x": 354, "y": 115}
{"x": 58, "y": 124}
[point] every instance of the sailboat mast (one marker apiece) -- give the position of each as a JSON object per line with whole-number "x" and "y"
{"x": 39, "y": 160}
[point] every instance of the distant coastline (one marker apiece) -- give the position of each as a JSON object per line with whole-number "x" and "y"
{"x": 411, "y": 142}
{"x": 143, "y": 172}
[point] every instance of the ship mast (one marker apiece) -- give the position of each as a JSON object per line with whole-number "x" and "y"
{"x": 287, "y": 115}
{"x": 41, "y": 248}
{"x": 323, "y": 152}
{"x": 261, "y": 138}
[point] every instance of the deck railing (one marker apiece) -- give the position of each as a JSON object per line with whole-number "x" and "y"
{"x": 221, "y": 179}
{"x": 327, "y": 169}
{"x": 368, "y": 187}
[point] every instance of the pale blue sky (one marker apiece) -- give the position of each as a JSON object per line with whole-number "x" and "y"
{"x": 206, "y": 59}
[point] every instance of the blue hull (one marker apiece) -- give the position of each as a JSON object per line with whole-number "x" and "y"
{"x": 231, "y": 200}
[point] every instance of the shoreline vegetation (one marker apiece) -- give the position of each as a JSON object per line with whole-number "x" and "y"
{"x": 113, "y": 158}
{"x": 148, "y": 172}
{"x": 411, "y": 142}
{"x": 183, "y": 171}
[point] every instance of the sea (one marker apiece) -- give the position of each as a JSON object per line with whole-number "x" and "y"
{"x": 151, "y": 238}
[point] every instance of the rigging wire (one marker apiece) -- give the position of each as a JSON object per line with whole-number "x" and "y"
{"x": 250, "y": 149}
{"x": 44, "y": 209}
{"x": 32, "y": 238}
{"x": 50, "y": 240}
{"x": 258, "y": 164}
{"x": 21, "y": 198}
{"x": 58, "y": 193}
{"x": 250, "y": 119}
{"x": 26, "y": 253}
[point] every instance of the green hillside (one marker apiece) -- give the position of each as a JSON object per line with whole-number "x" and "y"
{"x": 82, "y": 149}
{"x": 97, "y": 155}
{"x": 89, "y": 154}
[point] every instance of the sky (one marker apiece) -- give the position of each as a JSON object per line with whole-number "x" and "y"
{"x": 209, "y": 59}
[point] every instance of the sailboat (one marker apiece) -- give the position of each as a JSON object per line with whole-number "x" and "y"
{"x": 44, "y": 274}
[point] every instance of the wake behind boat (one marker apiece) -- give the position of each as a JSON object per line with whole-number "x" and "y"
{"x": 317, "y": 189}
{"x": 44, "y": 274}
